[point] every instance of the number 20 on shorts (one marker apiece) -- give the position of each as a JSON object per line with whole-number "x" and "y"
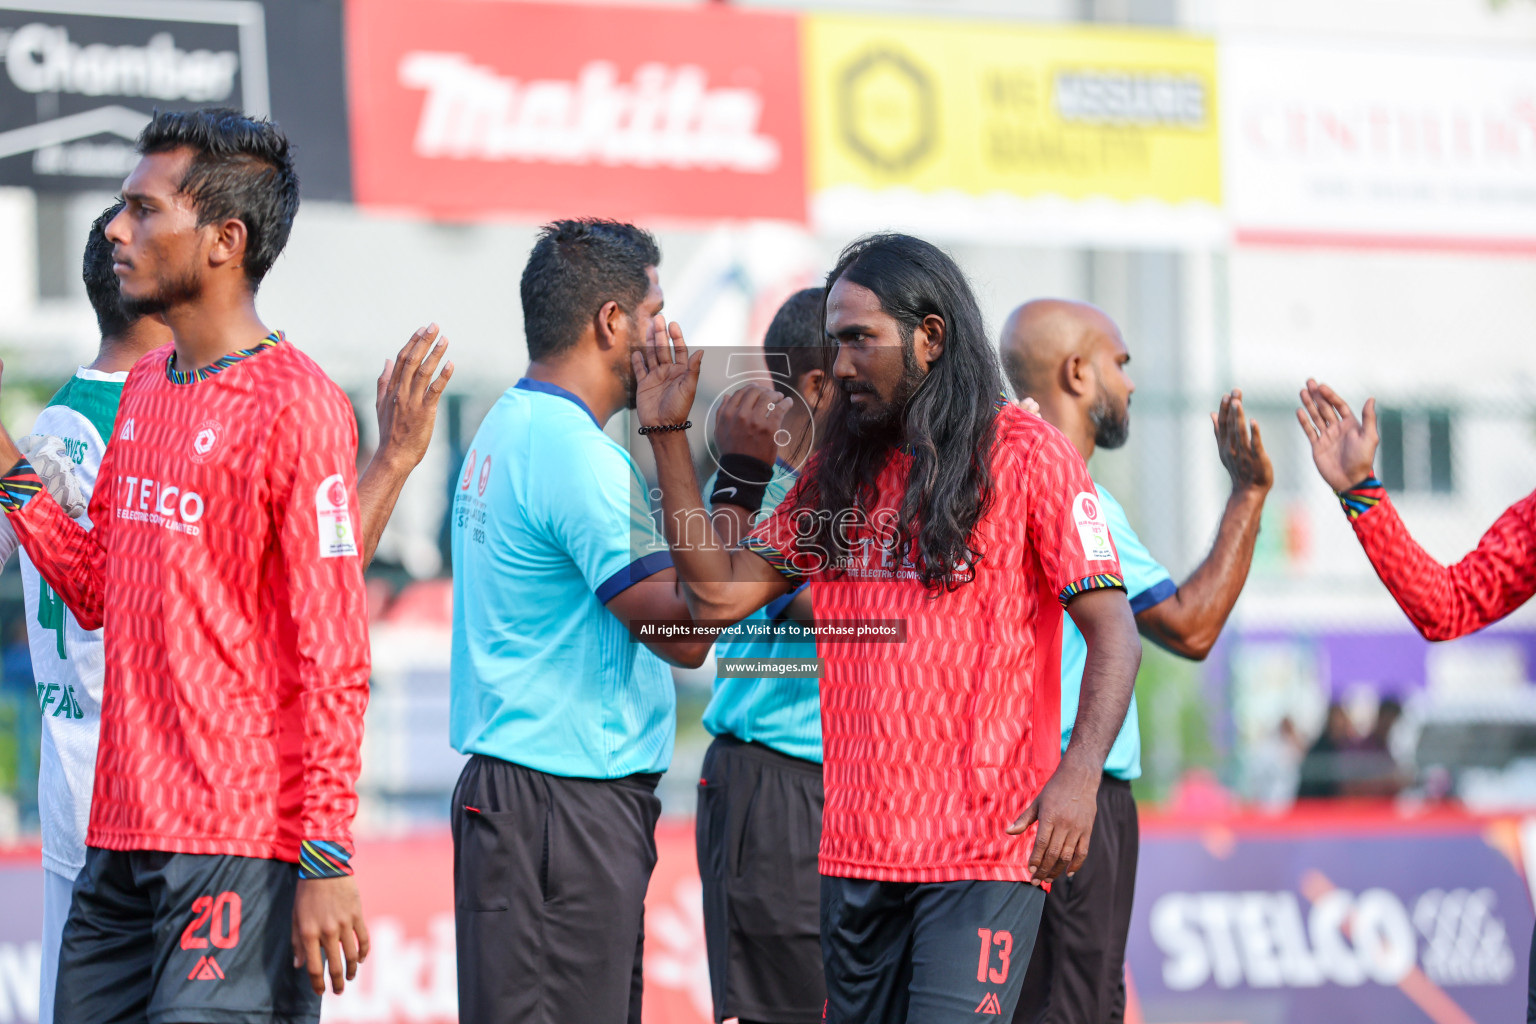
{"x": 222, "y": 916}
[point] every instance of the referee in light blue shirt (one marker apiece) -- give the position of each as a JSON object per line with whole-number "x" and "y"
{"x": 760, "y": 797}
{"x": 558, "y": 692}
{"x": 1070, "y": 358}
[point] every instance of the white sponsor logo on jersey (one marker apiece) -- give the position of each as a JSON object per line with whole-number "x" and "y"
{"x": 152, "y": 501}
{"x": 1092, "y": 530}
{"x": 333, "y": 518}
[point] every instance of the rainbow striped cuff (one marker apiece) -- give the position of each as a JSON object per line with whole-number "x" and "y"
{"x": 773, "y": 556}
{"x": 1362, "y": 497}
{"x": 1098, "y": 581}
{"x": 321, "y": 858}
{"x": 18, "y": 486}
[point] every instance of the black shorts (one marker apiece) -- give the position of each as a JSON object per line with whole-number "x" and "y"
{"x": 758, "y": 831}
{"x": 549, "y": 880}
{"x": 932, "y": 952}
{"x": 1077, "y": 975}
{"x": 182, "y": 937}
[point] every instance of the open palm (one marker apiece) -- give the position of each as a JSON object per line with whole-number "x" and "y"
{"x": 666, "y": 377}
{"x": 1343, "y": 447}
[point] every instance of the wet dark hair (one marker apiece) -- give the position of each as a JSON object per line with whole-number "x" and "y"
{"x": 575, "y": 267}
{"x": 950, "y": 423}
{"x": 241, "y": 169}
{"x": 798, "y": 333}
{"x": 101, "y": 285}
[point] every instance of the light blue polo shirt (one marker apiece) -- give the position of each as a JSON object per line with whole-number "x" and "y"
{"x": 784, "y": 714}
{"x": 1146, "y": 583}
{"x": 550, "y": 522}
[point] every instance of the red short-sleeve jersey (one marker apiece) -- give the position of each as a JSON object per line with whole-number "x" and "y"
{"x": 934, "y": 746}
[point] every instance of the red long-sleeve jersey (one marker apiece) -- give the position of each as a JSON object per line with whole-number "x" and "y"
{"x": 224, "y": 566}
{"x": 1445, "y": 602}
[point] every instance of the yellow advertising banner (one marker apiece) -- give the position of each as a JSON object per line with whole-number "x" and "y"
{"x": 982, "y": 109}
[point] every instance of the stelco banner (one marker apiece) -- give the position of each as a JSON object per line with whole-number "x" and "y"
{"x": 465, "y": 108}
{"x": 974, "y": 128}
{"x": 1351, "y": 919}
{"x": 1370, "y": 920}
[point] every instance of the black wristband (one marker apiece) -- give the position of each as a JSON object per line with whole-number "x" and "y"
{"x": 742, "y": 481}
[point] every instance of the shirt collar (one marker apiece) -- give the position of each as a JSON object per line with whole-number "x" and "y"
{"x": 544, "y": 387}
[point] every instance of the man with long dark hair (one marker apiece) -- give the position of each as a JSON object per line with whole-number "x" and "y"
{"x": 943, "y": 530}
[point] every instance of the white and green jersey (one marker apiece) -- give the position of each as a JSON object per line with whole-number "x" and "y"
{"x": 67, "y": 661}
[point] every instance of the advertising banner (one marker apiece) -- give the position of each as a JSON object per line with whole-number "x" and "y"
{"x": 988, "y": 130}
{"x": 463, "y": 109}
{"x": 1342, "y": 919}
{"x": 1385, "y": 147}
{"x": 81, "y": 77}
{"x": 1365, "y": 921}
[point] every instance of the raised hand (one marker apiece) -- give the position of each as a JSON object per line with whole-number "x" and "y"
{"x": 666, "y": 377}
{"x": 1241, "y": 447}
{"x": 1343, "y": 447}
{"x": 748, "y": 421}
{"x": 407, "y": 397}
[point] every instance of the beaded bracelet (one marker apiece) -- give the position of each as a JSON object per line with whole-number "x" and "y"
{"x": 663, "y": 428}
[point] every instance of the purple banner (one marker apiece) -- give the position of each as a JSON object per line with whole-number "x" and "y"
{"x": 1342, "y": 926}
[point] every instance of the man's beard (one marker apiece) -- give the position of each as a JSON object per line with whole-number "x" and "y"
{"x": 1111, "y": 426}
{"x": 882, "y": 421}
{"x": 168, "y": 293}
{"x": 625, "y": 371}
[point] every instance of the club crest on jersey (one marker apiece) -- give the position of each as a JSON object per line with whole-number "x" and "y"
{"x": 469, "y": 471}
{"x": 1092, "y": 530}
{"x": 205, "y": 440}
{"x": 485, "y": 476}
{"x": 333, "y": 518}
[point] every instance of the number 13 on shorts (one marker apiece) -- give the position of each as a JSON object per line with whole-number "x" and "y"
{"x": 996, "y": 951}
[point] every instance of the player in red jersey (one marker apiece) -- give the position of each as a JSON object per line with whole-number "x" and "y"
{"x": 225, "y": 568}
{"x": 938, "y": 509}
{"x": 1442, "y": 602}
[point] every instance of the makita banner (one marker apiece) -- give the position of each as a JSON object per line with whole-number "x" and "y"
{"x": 1352, "y": 917}
{"x": 462, "y": 109}
{"x": 80, "y": 78}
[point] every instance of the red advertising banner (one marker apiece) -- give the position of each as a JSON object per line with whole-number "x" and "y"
{"x": 462, "y": 108}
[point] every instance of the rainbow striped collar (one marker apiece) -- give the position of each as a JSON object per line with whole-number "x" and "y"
{"x": 222, "y": 363}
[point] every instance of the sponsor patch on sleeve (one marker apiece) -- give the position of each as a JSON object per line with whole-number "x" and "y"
{"x": 1092, "y": 529}
{"x": 333, "y": 519}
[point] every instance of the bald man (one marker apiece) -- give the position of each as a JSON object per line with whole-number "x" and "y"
{"x": 1069, "y": 358}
